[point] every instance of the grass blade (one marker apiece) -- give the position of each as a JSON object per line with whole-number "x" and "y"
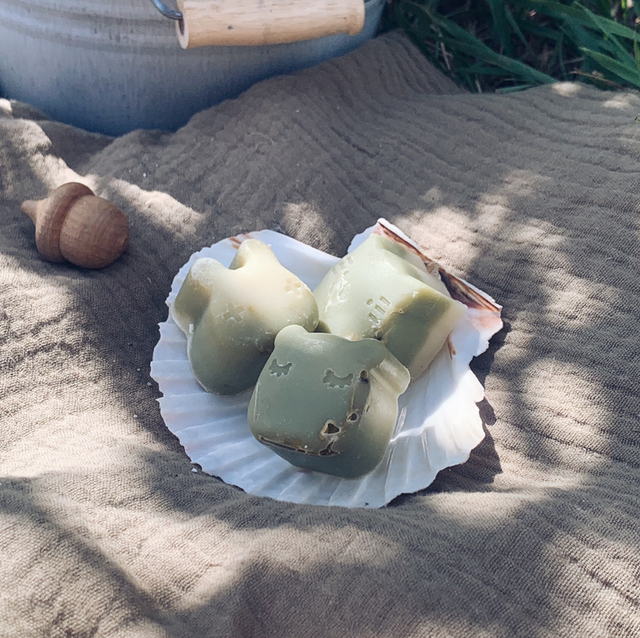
{"x": 626, "y": 73}
{"x": 507, "y": 44}
{"x": 579, "y": 13}
{"x": 501, "y": 25}
{"x": 462, "y": 40}
{"x": 518, "y": 31}
{"x": 604, "y": 26}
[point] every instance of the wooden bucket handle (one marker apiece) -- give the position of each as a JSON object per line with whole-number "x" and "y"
{"x": 262, "y": 22}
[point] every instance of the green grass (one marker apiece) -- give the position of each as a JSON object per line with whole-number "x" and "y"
{"x": 509, "y": 45}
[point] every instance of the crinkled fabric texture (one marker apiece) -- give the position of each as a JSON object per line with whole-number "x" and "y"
{"x": 106, "y": 530}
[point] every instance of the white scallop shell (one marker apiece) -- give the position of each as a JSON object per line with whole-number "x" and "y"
{"x": 438, "y": 423}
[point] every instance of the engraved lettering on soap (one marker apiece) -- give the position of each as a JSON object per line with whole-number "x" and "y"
{"x": 292, "y": 447}
{"x": 378, "y": 310}
{"x": 284, "y": 446}
{"x": 328, "y": 451}
{"x": 330, "y": 428}
{"x": 233, "y": 313}
{"x": 278, "y": 370}
{"x": 344, "y": 262}
{"x": 334, "y": 381}
{"x": 293, "y": 286}
{"x": 342, "y": 285}
{"x": 330, "y": 433}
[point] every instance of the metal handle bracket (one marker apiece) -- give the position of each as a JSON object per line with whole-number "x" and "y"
{"x": 166, "y": 11}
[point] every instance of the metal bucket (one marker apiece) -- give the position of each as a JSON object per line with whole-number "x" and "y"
{"x": 112, "y": 67}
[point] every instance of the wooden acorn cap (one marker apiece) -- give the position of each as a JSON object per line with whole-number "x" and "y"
{"x": 72, "y": 224}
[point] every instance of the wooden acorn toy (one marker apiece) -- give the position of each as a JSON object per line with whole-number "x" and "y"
{"x": 74, "y": 225}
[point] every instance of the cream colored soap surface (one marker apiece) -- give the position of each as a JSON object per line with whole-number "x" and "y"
{"x": 232, "y": 315}
{"x": 381, "y": 290}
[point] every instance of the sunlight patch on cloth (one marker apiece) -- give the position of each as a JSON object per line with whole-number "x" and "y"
{"x": 159, "y": 207}
{"x": 566, "y": 89}
{"x": 283, "y": 549}
{"x": 5, "y": 107}
{"x": 517, "y": 183}
{"x": 569, "y": 403}
{"x": 35, "y": 149}
{"x": 622, "y": 102}
{"x": 452, "y": 226}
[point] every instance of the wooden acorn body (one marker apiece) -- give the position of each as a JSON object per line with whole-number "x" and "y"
{"x": 74, "y": 225}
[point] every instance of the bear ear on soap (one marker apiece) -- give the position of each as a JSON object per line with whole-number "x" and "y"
{"x": 74, "y": 225}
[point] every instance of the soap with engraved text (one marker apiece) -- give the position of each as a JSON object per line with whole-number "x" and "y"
{"x": 384, "y": 291}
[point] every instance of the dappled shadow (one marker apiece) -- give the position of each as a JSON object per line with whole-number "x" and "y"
{"x": 532, "y": 198}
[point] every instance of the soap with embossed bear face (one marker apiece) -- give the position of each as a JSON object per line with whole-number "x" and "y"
{"x": 381, "y": 290}
{"x": 327, "y": 404}
{"x": 232, "y": 315}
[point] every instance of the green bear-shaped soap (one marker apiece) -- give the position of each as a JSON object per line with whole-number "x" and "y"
{"x": 232, "y": 315}
{"x": 326, "y": 403}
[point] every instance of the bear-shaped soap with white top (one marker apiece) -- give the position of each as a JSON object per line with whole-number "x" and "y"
{"x": 231, "y": 316}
